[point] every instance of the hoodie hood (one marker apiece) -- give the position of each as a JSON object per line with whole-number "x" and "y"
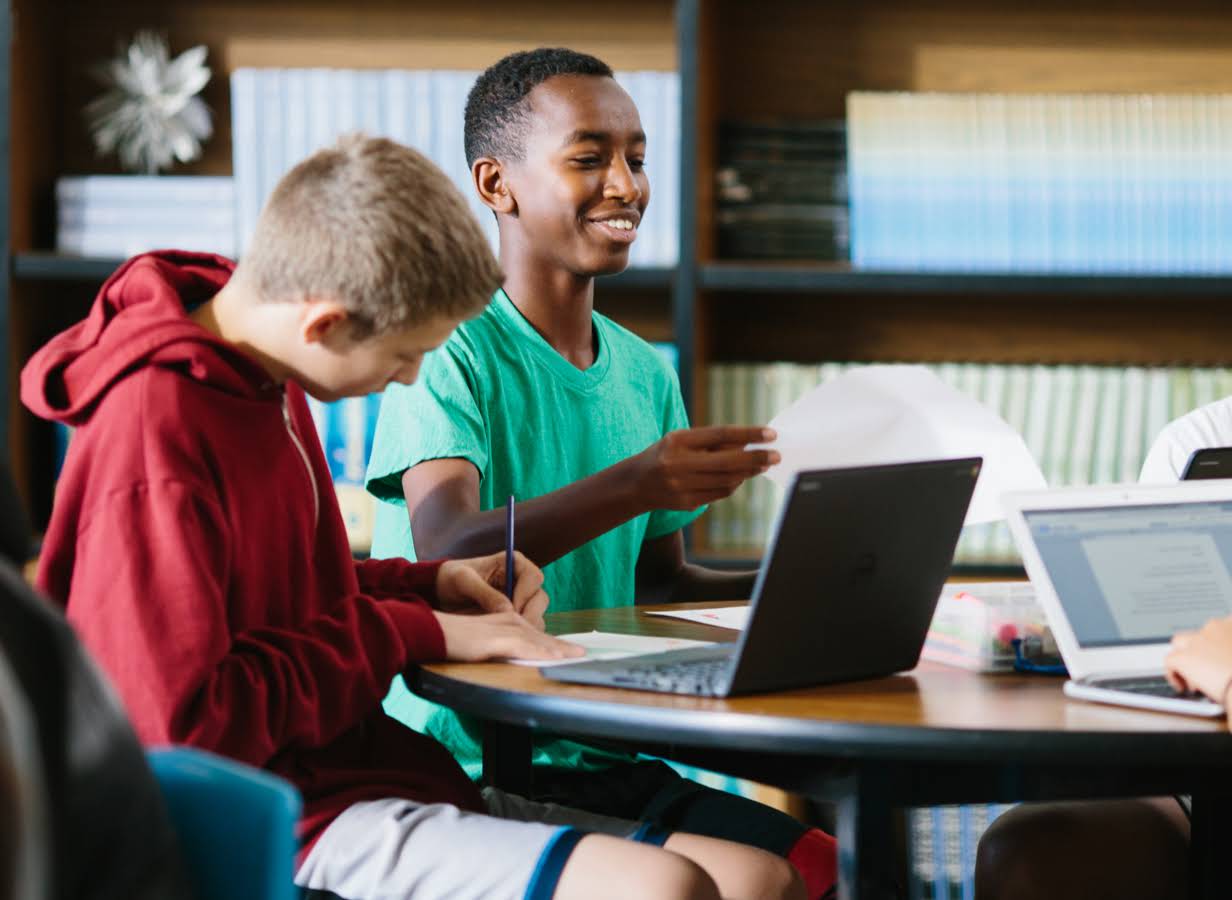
{"x": 138, "y": 319}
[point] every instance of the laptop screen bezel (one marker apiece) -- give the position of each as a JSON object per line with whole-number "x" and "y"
{"x": 1085, "y": 661}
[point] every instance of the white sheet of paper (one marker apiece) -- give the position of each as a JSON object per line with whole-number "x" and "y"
{"x": 901, "y": 413}
{"x": 735, "y": 617}
{"x": 606, "y": 645}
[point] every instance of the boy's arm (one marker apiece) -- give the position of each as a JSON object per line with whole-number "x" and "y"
{"x": 663, "y": 576}
{"x": 683, "y": 470}
{"x": 158, "y": 617}
{"x": 397, "y": 576}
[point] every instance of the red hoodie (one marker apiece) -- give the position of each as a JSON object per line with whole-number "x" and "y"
{"x": 197, "y": 546}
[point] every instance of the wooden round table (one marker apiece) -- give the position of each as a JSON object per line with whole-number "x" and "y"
{"x": 932, "y": 736}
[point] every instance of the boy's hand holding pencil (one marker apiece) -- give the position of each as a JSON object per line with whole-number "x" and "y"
{"x": 689, "y": 468}
{"x": 478, "y": 586}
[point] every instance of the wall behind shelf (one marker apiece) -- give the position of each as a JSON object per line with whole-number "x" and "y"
{"x": 801, "y": 60}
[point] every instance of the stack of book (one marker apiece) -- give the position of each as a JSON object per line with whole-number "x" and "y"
{"x": 1083, "y": 183}
{"x": 281, "y": 116}
{"x": 782, "y": 191}
{"x": 1083, "y": 425}
{"x": 116, "y": 216}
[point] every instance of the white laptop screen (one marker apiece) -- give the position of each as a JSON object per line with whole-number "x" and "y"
{"x": 1137, "y": 574}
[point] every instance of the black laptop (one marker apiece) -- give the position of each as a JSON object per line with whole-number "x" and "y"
{"x": 847, "y": 589}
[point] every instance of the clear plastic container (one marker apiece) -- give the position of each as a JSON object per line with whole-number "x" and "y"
{"x": 976, "y": 623}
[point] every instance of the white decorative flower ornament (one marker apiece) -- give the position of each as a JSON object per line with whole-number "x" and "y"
{"x": 151, "y": 115}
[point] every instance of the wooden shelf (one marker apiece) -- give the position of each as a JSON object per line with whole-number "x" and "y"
{"x": 841, "y": 278}
{"x": 42, "y": 265}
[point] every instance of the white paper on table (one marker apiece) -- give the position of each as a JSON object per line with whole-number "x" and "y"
{"x": 735, "y": 617}
{"x": 606, "y": 645}
{"x": 890, "y": 414}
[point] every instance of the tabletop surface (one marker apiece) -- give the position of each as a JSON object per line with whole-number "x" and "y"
{"x": 947, "y": 711}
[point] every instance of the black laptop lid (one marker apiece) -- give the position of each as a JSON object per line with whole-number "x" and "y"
{"x": 854, "y": 572}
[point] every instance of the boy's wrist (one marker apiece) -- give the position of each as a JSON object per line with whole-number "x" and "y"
{"x": 631, "y": 490}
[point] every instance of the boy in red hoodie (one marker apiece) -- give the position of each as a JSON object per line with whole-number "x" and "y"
{"x": 200, "y": 553}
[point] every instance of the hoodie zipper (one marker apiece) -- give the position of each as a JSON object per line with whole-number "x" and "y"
{"x": 303, "y": 455}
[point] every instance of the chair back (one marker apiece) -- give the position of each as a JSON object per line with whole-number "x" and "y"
{"x": 236, "y": 824}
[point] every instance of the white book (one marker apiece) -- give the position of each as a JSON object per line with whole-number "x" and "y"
{"x": 1055, "y": 461}
{"x": 297, "y": 145}
{"x": 669, "y": 178}
{"x": 396, "y": 106}
{"x": 245, "y": 147}
{"x": 271, "y": 131}
{"x": 144, "y": 191}
{"x": 320, "y": 119}
{"x": 1035, "y": 431}
{"x": 137, "y": 217}
{"x": 344, "y": 102}
{"x": 115, "y": 244}
{"x": 1105, "y": 468}
{"x": 1133, "y": 407}
{"x": 369, "y": 114}
{"x": 1158, "y": 397}
{"x": 1082, "y": 449}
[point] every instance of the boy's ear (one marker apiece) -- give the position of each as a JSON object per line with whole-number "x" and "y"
{"x": 323, "y": 322}
{"x": 489, "y": 177}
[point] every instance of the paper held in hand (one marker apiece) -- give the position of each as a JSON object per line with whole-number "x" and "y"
{"x": 890, "y": 414}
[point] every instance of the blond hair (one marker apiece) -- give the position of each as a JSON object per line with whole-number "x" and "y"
{"x": 376, "y": 227}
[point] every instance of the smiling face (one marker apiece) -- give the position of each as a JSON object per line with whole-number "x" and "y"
{"x": 580, "y": 187}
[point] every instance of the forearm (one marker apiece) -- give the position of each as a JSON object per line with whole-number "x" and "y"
{"x": 548, "y": 526}
{"x": 697, "y": 583}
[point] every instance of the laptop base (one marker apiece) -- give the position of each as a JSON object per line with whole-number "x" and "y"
{"x": 1092, "y": 690}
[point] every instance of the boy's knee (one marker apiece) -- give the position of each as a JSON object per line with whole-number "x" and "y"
{"x": 763, "y": 874}
{"x": 683, "y": 879}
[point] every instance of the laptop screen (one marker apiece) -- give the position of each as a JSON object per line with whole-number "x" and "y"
{"x": 1137, "y": 574}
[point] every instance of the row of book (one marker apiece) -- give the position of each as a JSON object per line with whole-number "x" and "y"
{"x": 116, "y": 216}
{"x": 279, "y": 116}
{"x": 1083, "y": 425}
{"x": 782, "y": 190}
{"x": 1079, "y": 183}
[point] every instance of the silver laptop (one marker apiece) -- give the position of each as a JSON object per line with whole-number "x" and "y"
{"x": 847, "y": 589}
{"x": 1118, "y": 570}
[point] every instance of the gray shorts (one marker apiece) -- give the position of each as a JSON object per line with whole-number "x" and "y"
{"x": 396, "y": 849}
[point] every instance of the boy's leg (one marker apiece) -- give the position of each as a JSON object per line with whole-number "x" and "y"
{"x": 654, "y": 792}
{"x": 1123, "y": 849}
{"x": 399, "y": 849}
{"x": 737, "y": 870}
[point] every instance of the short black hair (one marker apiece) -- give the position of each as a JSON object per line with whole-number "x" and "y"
{"x": 496, "y": 109}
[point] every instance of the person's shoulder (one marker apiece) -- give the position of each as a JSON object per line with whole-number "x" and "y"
{"x": 1209, "y": 425}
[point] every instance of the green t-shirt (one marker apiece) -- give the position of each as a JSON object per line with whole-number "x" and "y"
{"x": 497, "y": 394}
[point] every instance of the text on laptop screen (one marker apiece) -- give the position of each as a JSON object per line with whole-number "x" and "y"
{"x": 1137, "y": 574}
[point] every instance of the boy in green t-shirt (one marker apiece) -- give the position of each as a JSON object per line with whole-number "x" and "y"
{"x": 544, "y": 399}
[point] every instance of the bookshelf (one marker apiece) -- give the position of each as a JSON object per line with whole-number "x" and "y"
{"x": 796, "y": 61}
{"x": 47, "y": 83}
{"x": 788, "y": 60}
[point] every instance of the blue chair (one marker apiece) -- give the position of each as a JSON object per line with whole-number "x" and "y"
{"x": 235, "y": 824}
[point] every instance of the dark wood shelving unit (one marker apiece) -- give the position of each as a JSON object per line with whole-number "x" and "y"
{"x": 841, "y": 278}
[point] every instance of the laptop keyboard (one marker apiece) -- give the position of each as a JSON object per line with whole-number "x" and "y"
{"x": 703, "y": 677}
{"x": 1151, "y": 685}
